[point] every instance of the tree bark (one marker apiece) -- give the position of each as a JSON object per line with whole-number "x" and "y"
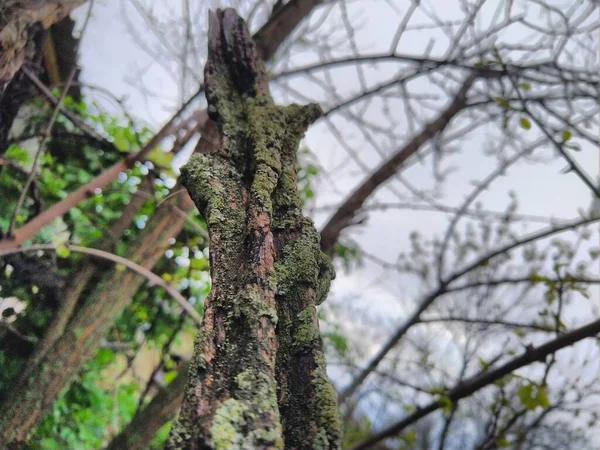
{"x": 19, "y": 21}
{"x": 257, "y": 378}
{"x": 34, "y": 394}
{"x": 18, "y": 89}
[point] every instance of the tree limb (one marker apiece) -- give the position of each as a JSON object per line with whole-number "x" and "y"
{"x": 472, "y": 385}
{"x": 154, "y": 279}
{"x": 343, "y": 216}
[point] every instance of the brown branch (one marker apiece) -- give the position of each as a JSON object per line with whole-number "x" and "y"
{"x": 47, "y": 132}
{"x": 281, "y": 24}
{"x": 479, "y": 214}
{"x": 58, "y": 209}
{"x": 573, "y": 166}
{"x": 83, "y": 273}
{"x": 40, "y": 384}
{"x": 74, "y": 118}
{"x": 442, "y": 288}
{"x": 18, "y": 18}
{"x": 138, "y": 434}
{"x": 344, "y": 215}
{"x": 474, "y": 384}
{"x": 481, "y": 321}
{"x": 516, "y": 280}
{"x": 17, "y": 333}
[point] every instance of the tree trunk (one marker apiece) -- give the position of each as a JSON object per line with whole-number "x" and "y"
{"x": 22, "y": 35}
{"x": 257, "y": 378}
{"x": 33, "y": 396}
{"x": 83, "y": 273}
{"x": 19, "y": 89}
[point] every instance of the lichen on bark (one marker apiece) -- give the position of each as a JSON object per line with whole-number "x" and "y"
{"x": 258, "y": 376}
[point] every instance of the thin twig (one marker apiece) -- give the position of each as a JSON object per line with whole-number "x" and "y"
{"x": 154, "y": 279}
{"x": 486, "y": 378}
{"x": 425, "y": 302}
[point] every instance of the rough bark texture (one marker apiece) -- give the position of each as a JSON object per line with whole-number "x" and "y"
{"x": 19, "y": 20}
{"x": 257, "y": 378}
{"x": 43, "y": 382}
{"x": 19, "y": 88}
{"x": 269, "y": 38}
{"x": 138, "y": 434}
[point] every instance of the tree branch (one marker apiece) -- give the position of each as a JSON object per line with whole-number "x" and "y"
{"x": 268, "y": 39}
{"x": 442, "y": 288}
{"x": 472, "y": 385}
{"x": 343, "y": 216}
{"x": 154, "y": 279}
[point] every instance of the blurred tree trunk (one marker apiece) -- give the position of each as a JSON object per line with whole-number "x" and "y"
{"x": 257, "y": 378}
{"x": 138, "y": 434}
{"x": 22, "y": 25}
{"x": 40, "y": 385}
{"x": 85, "y": 271}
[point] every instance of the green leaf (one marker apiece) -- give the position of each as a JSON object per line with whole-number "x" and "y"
{"x": 519, "y": 333}
{"x": 409, "y": 437}
{"x": 543, "y": 398}
{"x": 502, "y": 442}
{"x": 311, "y": 170}
{"x": 532, "y": 395}
{"x": 536, "y": 278}
{"x": 526, "y": 86}
{"x": 199, "y": 264}
{"x": 566, "y": 135}
{"x": 121, "y": 142}
{"x": 160, "y": 158}
{"x": 339, "y": 342}
{"x": 18, "y": 155}
{"x": 170, "y": 376}
{"x": 62, "y": 251}
{"x": 503, "y": 102}
{"x": 525, "y": 123}
{"x": 445, "y": 403}
{"x": 50, "y": 444}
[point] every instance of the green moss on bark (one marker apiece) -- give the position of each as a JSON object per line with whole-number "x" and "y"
{"x": 256, "y": 399}
{"x": 306, "y": 333}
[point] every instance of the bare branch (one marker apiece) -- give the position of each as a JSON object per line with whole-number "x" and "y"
{"x": 154, "y": 279}
{"x": 472, "y": 385}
